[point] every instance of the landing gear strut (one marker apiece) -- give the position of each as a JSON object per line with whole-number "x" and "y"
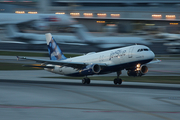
{"x": 86, "y": 80}
{"x": 118, "y": 80}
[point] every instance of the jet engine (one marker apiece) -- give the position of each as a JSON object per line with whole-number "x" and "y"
{"x": 138, "y": 71}
{"x": 91, "y": 69}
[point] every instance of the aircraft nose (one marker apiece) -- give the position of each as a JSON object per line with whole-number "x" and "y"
{"x": 152, "y": 55}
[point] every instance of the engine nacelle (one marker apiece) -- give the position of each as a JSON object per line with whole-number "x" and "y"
{"x": 139, "y": 71}
{"x": 91, "y": 69}
{"x": 143, "y": 69}
{"x": 50, "y": 68}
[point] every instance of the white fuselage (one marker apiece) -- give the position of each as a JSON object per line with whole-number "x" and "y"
{"x": 120, "y": 58}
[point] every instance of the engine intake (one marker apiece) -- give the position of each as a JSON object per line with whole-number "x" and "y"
{"x": 96, "y": 68}
{"x": 144, "y": 69}
{"x": 139, "y": 71}
{"x": 91, "y": 69}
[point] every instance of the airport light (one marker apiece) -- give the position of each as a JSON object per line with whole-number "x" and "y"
{"x": 88, "y": 14}
{"x": 75, "y": 14}
{"x": 149, "y": 24}
{"x": 111, "y": 25}
{"x": 173, "y": 23}
{"x": 19, "y": 12}
{"x": 101, "y": 14}
{"x": 60, "y": 13}
{"x": 115, "y": 15}
{"x": 170, "y": 16}
{"x": 100, "y": 21}
{"x": 157, "y": 16}
{"x": 32, "y": 12}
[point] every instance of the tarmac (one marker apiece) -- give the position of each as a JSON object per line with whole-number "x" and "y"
{"x": 30, "y": 95}
{"x": 68, "y": 99}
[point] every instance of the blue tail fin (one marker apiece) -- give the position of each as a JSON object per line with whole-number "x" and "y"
{"x": 55, "y": 52}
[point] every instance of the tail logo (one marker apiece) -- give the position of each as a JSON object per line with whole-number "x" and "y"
{"x": 54, "y": 50}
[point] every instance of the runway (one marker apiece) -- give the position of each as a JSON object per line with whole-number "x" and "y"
{"x": 28, "y": 94}
{"x": 72, "y": 100}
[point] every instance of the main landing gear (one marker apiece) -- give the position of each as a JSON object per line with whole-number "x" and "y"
{"x": 118, "y": 80}
{"x": 86, "y": 80}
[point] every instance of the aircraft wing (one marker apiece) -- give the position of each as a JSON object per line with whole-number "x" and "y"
{"x": 76, "y": 65}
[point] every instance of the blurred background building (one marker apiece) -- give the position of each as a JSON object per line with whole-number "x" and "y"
{"x": 127, "y": 15}
{"x": 158, "y": 18}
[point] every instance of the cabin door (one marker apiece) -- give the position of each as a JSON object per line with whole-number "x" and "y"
{"x": 130, "y": 55}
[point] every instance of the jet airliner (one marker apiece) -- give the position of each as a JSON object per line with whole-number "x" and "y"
{"x": 107, "y": 41}
{"x": 39, "y": 21}
{"x": 133, "y": 58}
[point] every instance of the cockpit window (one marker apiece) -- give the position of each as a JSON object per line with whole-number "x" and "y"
{"x": 143, "y": 49}
{"x": 146, "y": 50}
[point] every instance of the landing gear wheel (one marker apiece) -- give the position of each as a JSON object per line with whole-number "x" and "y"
{"x": 86, "y": 80}
{"x": 115, "y": 81}
{"x": 119, "y": 81}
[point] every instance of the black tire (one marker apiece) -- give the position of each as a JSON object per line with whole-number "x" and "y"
{"x": 115, "y": 81}
{"x": 119, "y": 81}
{"x": 84, "y": 81}
{"x": 88, "y": 81}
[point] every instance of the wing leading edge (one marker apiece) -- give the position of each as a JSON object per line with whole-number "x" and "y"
{"x": 76, "y": 65}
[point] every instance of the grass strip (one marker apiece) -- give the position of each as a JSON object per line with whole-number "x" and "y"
{"x": 11, "y": 53}
{"x": 148, "y": 79}
{"x": 14, "y": 66}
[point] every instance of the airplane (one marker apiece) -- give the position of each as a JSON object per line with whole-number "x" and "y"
{"x": 33, "y": 38}
{"x": 38, "y": 21}
{"x": 106, "y": 42}
{"x": 168, "y": 36}
{"x": 133, "y": 58}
